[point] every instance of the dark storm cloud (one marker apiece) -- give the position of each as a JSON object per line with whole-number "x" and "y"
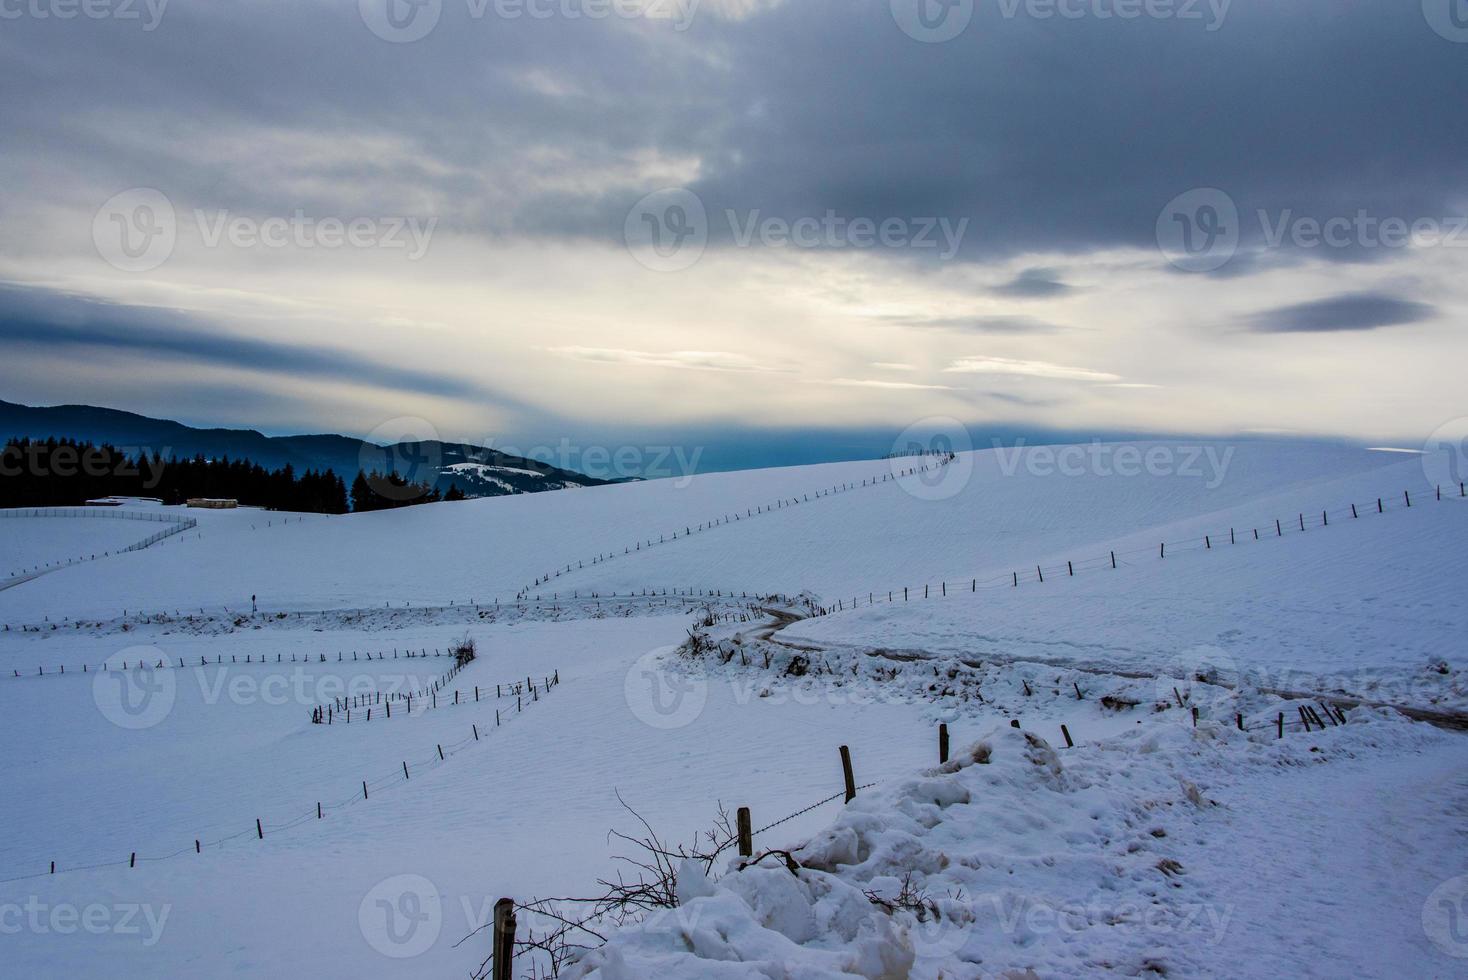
{"x": 1037, "y": 283}
{"x": 38, "y": 318}
{"x": 1357, "y": 311}
{"x": 1051, "y": 134}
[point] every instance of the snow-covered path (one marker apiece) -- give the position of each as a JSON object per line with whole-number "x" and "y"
{"x": 1327, "y": 869}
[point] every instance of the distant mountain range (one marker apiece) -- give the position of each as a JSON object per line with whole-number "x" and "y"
{"x": 477, "y": 471}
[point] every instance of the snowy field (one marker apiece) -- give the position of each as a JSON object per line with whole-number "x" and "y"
{"x": 1237, "y": 800}
{"x": 29, "y": 544}
{"x": 43, "y": 540}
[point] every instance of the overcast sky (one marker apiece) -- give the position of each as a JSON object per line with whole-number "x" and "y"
{"x": 525, "y": 220}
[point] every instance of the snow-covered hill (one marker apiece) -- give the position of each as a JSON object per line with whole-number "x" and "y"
{"x": 1152, "y": 845}
{"x": 986, "y": 511}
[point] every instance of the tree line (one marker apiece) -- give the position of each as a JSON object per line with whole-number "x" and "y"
{"x": 69, "y": 472}
{"x": 376, "y": 491}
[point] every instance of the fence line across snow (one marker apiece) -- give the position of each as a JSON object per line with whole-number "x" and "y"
{"x": 257, "y": 828}
{"x": 944, "y": 458}
{"x": 180, "y": 524}
{"x": 1276, "y": 528}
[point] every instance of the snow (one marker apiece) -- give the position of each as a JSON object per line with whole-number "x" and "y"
{"x": 1155, "y": 844}
{"x": 1158, "y": 853}
{"x": 30, "y": 543}
{"x": 1363, "y": 608}
{"x": 486, "y": 469}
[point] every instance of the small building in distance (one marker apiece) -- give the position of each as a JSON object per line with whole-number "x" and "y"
{"x": 213, "y": 503}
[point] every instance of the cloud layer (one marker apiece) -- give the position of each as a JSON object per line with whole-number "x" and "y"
{"x": 1056, "y": 143}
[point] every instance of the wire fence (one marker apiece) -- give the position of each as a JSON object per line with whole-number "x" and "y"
{"x": 179, "y": 525}
{"x": 108, "y": 513}
{"x": 1306, "y": 716}
{"x": 428, "y": 699}
{"x": 1274, "y": 528}
{"x": 400, "y": 776}
{"x": 59, "y": 670}
{"x": 584, "y": 933}
{"x": 474, "y": 610}
{"x": 943, "y": 459}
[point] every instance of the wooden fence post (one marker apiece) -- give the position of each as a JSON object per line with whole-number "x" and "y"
{"x": 746, "y": 837}
{"x": 504, "y": 939}
{"x": 1066, "y": 732}
{"x": 942, "y": 744}
{"x": 846, "y": 772}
